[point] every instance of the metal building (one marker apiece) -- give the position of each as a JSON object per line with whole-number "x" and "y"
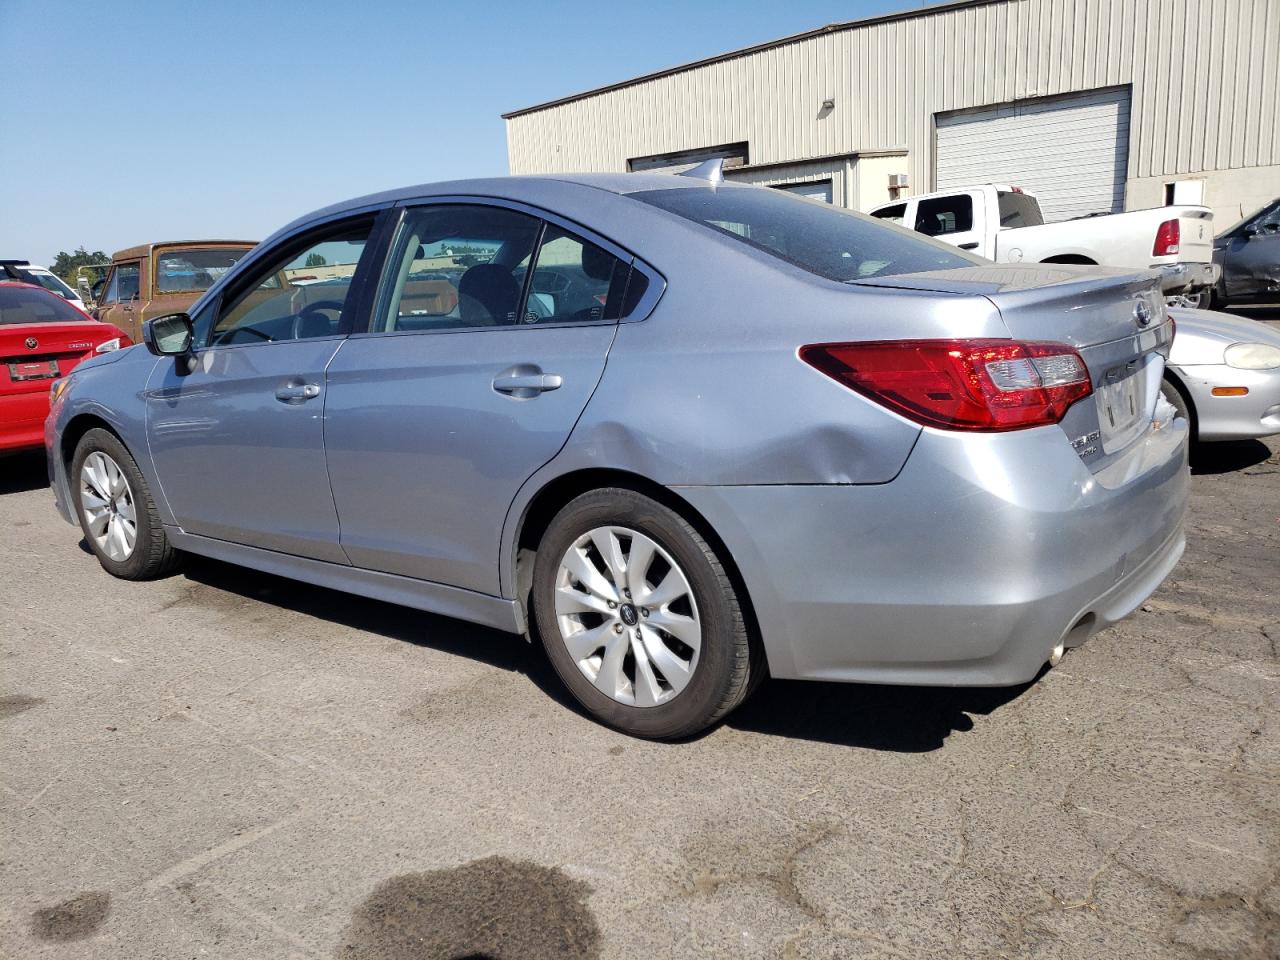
{"x": 1094, "y": 105}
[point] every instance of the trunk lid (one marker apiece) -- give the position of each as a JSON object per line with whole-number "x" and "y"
{"x": 33, "y": 355}
{"x": 1115, "y": 319}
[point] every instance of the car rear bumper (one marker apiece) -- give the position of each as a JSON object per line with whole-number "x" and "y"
{"x": 986, "y": 553}
{"x": 22, "y": 420}
{"x": 1256, "y": 414}
{"x": 1185, "y": 277}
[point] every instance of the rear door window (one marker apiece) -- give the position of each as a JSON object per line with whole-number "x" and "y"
{"x": 940, "y": 216}
{"x": 1019, "y": 210}
{"x": 574, "y": 281}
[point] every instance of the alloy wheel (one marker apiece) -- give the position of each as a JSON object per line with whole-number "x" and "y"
{"x": 627, "y": 616}
{"x": 107, "y": 501}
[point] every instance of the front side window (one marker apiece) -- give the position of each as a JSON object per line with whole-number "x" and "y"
{"x": 111, "y": 289}
{"x": 943, "y": 215}
{"x": 894, "y": 214}
{"x": 824, "y": 240}
{"x": 182, "y": 271}
{"x": 126, "y": 281}
{"x": 296, "y": 293}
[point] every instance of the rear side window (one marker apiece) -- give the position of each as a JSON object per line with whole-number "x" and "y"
{"x": 25, "y": 305}
{"x": 1019, "y": 210}
{"x": 943, "y": 215}
{"x": 826, "y": 241}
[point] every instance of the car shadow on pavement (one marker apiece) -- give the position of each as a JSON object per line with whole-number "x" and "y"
{"x": 505, "y": 651}
{"x": 22, "y": 471}
{"x": 1210, "y": 458}
{"x": 870, "y": 716}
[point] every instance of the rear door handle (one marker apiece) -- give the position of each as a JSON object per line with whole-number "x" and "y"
{"x": 297, "y": 392}
{"x": 971, "y": 245}
{"x": 525, "y": 381}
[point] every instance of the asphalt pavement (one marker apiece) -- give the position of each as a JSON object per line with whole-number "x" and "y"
{"x": 227, "y": 764}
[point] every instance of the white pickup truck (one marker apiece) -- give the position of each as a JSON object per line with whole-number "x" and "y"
{"x": 1004, "y": 223}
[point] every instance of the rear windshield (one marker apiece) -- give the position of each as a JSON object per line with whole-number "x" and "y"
{"x": 184, "y": 270}
{"x": 28, "y": 305}
{"x": 817, "y": 237}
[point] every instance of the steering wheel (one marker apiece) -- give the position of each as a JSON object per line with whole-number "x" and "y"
{"x": 309, "y": 311}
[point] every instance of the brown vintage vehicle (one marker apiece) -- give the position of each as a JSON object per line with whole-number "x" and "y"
{"x": 158, "y": 278}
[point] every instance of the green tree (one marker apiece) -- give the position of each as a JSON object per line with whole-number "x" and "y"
{"x": 65, "y": 264}
{"x": 316, "y": 260}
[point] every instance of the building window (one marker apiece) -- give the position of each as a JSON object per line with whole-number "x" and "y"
{"x": 733, "y": 154}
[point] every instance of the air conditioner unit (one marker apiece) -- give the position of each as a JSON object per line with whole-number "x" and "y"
{"x": 899, "y": 181}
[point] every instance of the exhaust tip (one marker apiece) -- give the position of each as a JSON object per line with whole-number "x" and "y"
{"x": 1055, "y": 655}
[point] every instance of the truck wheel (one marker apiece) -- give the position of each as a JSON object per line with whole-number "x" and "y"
{"x": 639, "y": 617}
{"x": 116, "y": 512}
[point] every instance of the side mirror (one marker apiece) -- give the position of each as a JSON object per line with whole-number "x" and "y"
{"x": 169, "y": 336}
{"x": 1251, "y": 230}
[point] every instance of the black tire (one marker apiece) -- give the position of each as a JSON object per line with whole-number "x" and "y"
{"x": 153, "y": 556}
{"x": 1173, "y": 393}
{"x": 723, "y": 675}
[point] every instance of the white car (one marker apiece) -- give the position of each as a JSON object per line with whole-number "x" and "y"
{"x": 1003, "y": 223}
{"x": 1223, "y": 375}
{"x": 41, "y": 276}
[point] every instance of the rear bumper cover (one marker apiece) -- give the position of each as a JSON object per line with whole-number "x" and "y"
{"x": 968, "y": 569}
{"x": 1176, "y": 277}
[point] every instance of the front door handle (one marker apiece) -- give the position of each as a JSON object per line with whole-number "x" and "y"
{"x": 525, "y": 381}
{"x": 971, "y": 245}
{"x": 297, "y": 392}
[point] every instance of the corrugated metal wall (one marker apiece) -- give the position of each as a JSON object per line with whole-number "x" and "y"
{"x": 1205, "y": 76}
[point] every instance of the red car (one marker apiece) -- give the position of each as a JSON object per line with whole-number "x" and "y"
{"x": 42, "y": 337}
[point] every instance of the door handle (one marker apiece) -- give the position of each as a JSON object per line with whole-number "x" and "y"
{"x": 971, "y": 245}
{"x": 525, "y": 381}
{"x": 297, "y": 392}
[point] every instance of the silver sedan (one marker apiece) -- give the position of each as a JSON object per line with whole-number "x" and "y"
{"x": 1224, "y": 375}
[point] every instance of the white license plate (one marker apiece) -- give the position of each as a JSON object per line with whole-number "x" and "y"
{"x": 1124, "y": 398}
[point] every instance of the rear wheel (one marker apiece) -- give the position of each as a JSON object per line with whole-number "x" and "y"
{"x": 639, "y": 617}
{"x": 116, "y": 512}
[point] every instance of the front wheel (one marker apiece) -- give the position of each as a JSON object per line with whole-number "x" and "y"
{"x": 639, "y": 617}
{"x": 115, "y": 508}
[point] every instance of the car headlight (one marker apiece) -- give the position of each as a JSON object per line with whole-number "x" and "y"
{"x": 1252, "y": 356}
{"x": 108, "y": 345}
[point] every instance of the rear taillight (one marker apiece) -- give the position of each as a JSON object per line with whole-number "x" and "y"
{"x": 1167, "y": 237}
{"x": 986, "y": 385}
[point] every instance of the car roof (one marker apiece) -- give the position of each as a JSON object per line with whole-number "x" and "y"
{"x": 145, "y": 249}
{"x": 513, "y": 188}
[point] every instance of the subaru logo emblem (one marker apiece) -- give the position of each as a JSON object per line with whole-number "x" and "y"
{"x": 1142, "y": 313}
{"x": 32, "y": 343}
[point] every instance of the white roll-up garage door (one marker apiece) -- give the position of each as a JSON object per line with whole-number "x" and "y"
{"x": 1071, "y": 152}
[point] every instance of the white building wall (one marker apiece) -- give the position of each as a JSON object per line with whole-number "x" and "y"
{"x": 1205, "y": 78}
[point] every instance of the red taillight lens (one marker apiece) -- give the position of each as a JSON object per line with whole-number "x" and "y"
{"x": 1167, "y": 237}
{"x": 986, "y": 385}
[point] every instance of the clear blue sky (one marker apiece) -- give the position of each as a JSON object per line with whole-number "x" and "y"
{"x": 127, "y": 122}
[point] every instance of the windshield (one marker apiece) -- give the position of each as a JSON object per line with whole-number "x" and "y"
{"x": 815, "y": 236}
{"x": 29, "y": 305}
{"x": 51, "y": 283}
{"x": 193, "y": 270}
